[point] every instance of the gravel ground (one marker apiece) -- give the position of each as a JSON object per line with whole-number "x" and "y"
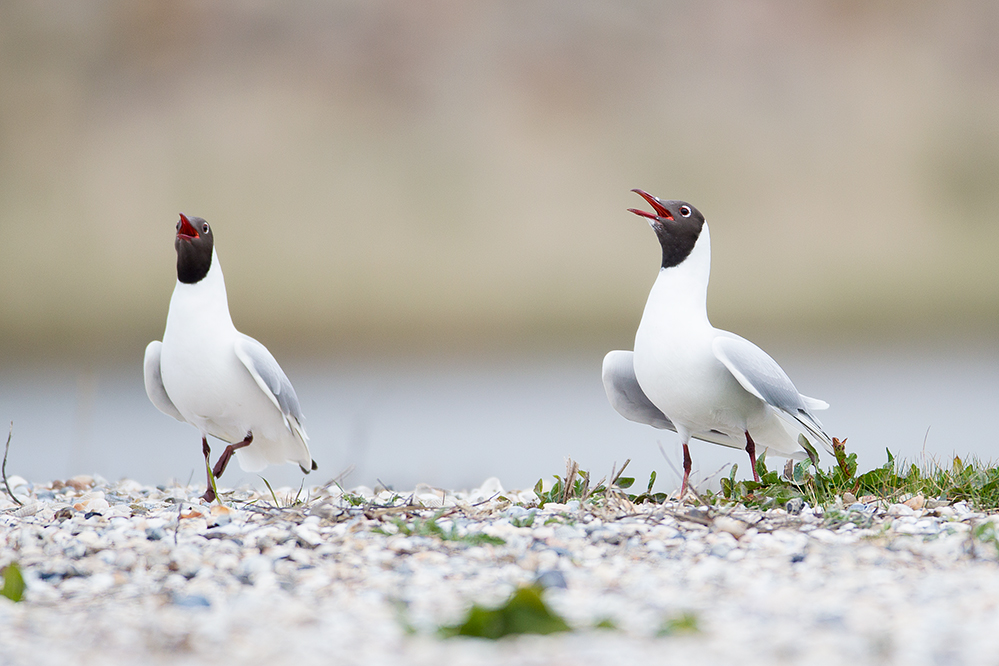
{"x": 119, "y": 573}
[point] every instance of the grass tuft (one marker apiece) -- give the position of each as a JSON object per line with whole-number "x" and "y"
{"x": 525, "y": 612}
{"x": 430, "y": 528}
{"x": 972, "y": 480}
{"x": 684, "y": 623}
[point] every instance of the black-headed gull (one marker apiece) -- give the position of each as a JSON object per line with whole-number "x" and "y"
{"x": 687, "y": 376}
{"x": 208, "y": 374}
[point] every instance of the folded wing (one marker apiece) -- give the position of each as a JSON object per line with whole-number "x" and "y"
{"x": 629, "y": 400}
{"x": 154, "y": 381}
{"x": 761, "y": 376}
{"x": 269, "y": 376}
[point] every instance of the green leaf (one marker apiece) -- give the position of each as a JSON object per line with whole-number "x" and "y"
{"x": 652, "y": 480}
{"x": 625, "y": 481}
{"x": 525, "y": 612}
{"x": 685, "y": 623}
{"x": 761, "y": 464}
{"x": 13, "y": 582}
{"x": 799, "y": 472}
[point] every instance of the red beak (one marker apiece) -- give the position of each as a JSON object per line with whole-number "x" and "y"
{"x": 661, "y": 211}
{"x": 186, "y": 229}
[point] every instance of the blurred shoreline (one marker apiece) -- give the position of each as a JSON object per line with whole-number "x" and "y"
{"x": 428, "y": 177}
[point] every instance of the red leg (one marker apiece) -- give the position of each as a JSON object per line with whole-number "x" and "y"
{"x": 209, "y": 495}
{"x": 686, "y": 469}
{"x": 751, "y": 450}
{"x": 223, "y": 460}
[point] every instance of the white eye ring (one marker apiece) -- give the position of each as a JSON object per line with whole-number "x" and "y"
{"x": 204, "y": 228}
{"x": 685, "y": 211}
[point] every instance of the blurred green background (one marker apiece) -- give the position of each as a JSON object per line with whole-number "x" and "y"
{"x": 420, "y": 177}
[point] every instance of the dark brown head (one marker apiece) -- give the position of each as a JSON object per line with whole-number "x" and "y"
{"x": 194, "y": 245}
{"x": 676, "y": 223}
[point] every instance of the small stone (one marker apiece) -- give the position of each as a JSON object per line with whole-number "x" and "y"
{"x": 516, "y": 512}
{"x": 794, "y": 506}
{"x": 722, "y": 548}
{"x": 551, "y": 578}
{"x": 16, "y": 482}
{"x": 916, "y": 502}
{"x": 945, "y": 511}
{"x": 734, "y": 527}
{"x": 191, "y": 601}
{"x": 221, "y": 514}
{"x": 849, "y": 498}
{"x": 490, "y": 488}
{"x": 324, "y": 510}
{"x": 900, "y": 510}
{"x": 81, "y": 482}
{"x": 564, "y": 532}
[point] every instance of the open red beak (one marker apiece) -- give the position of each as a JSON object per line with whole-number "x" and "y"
{"x": 186, "y": 229}
{"x": 661, "y": 211}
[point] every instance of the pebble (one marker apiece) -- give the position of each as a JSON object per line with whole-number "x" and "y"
{"x": 154, "y": 575}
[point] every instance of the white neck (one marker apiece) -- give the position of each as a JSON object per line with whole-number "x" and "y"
{"x": 680, "y": 292}
{"x": 204, "y": 303}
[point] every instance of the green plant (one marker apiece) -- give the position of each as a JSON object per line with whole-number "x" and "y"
{"x": 974, "y": 481}
{"x": 525, "y": 521}
{"x": 684, "y": 623}
{"x": 648, "y": 495}
{"x": 986, "y": 533}
{"x": 430, "y": 528}
{"x": 13, "y": 582}
{"x": 525, "y": 612}
{"x": 576, "y": 485}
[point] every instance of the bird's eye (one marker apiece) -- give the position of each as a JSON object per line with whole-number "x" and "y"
{"x": 178, "y": 226}
{"x": 204, "y": 228}
{"x": 685, "y": 211}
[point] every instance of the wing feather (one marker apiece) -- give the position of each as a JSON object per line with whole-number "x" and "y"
{"x": 759, "y": 374}
{"x": 629, "y": 400}
{"x": 154, "y": 381}
{"x": 269, "y": 376}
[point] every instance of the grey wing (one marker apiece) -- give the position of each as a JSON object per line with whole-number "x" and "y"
{"x": 626, "y": 396}
{"x": 270, "y": 378}
{"x": 629, "y": 400}
{"x": 760, "y": 375}
{"x": 154, "y": 381}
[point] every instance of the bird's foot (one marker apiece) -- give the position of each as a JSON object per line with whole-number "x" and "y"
{"x": 223, "y": 460}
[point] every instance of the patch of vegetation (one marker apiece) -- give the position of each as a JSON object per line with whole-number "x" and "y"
{"x": 986, "y": 533}
{"x": 974, "y": 482}
{"x": 525, "y": 612}
{"x": 523, "y": 521}
{"x": 576, "y": 486}
{"x": 648, "y": 495}
{"x": 684, "y": 623}
{"x": 13, "y": 582}
{"x": 291, "y": 501}
{"x": 429, "y": 527}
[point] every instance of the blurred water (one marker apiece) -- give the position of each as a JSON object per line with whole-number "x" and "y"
{"x": 453, "y": 422}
